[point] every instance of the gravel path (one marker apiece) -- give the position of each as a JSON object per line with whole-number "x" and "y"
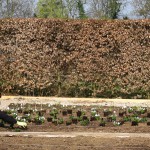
{"x": 6, "y": 100}
{"x": 74, "y": 134}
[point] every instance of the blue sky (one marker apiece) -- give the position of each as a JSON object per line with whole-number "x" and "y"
{"x": 128, "y": 10}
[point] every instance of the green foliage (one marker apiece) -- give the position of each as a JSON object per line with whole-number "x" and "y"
{"x": 113, "y": 9}
{"x": 60, "y": 121}
{"x": 84, "y": 122}
{"x": 54, "y": 113}
{"x": 39, "y": 119}
{"x": 51, "y": 9}
{"x": 79, "y": 118}
{"x": 126, "y": 118}
{"x": 81, "y": 10}
{"x": 93, "y": 113}
{"x": 143, "y": 119}
{"x": 113, "y": 118}
{"x": 136, "y": 119}
{"x": 102, "y": 121}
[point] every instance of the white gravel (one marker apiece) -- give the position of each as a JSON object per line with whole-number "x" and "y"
{"x": 6, "y": 100}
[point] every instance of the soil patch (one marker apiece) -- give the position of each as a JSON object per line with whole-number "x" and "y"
{"x": 80, "y": 143}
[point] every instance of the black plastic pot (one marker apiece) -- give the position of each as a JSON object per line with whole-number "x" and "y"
{"x": 43, "y": 111}
{"x": 102, "y": 124}
{"x": 109, "y": 119}
{"x": 30, "y": 111}
{"x": 148, "y": 123}
{"x": 49, "y": 119}
{"x": 148, "y": 114}
{"x": 121, "y": 114}
{"x": 26, "y": 112}
{"x": 29, "y": 120}
{"x": 20, "y": 111}
{"x": 38, "y": 122}
{"x": 121, "y": 122}
{"x": 107, "y": 113}
{"x": 69, "y": 111}
{"x": 134, "y": 123}
{"x": 64, "y": 113}
{"x": 68, "y": 123}
{"x": 55, "y": 122}
{"x": 93, "y": 118}
{"x": 84, "y": 118}
{"x": 79, "y": 113}
{"x": 74, "y": 120}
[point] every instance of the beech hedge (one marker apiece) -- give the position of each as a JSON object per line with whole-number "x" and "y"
{"x": 81, "y": 58}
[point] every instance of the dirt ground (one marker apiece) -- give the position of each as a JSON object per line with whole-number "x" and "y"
{"x": 76, "y": 143}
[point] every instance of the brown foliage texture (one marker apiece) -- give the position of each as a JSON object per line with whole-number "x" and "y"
{"x": 82, "y": 58}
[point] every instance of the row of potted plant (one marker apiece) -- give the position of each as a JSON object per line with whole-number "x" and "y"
{"x": 125, "y": 114}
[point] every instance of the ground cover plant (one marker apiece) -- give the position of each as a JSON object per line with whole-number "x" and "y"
{"x": 86, "y": 116}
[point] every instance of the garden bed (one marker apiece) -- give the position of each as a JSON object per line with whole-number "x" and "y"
{"x": 48, "y": 118}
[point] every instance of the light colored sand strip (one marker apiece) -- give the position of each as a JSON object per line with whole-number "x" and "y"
{"x": 74, "y": 134}
{"x": 6, "y": 100}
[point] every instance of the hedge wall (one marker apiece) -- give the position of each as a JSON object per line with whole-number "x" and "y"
{"x": 90, "y": 58}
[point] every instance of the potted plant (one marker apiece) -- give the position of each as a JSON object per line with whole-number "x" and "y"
{"x": 93, "y": 113}
{"x": 148, "y": 123}
{"x": 79, "y": 113}
{"x": 74, "y": 119}
{"x": 144, "y": 119}
{"x": 135, "y": 121}
{"x": 141, "y": 110}
{"x": 26, "y": 111}
{"x": 93, "y": 118}
{"x": 148, "y": 114}
{"x": 64, "y": 113}
{"x": 9, "y": 110}
{"x": 107, "y": 112}
{"x": 97, "y": 116}
{"x": 49, "y": 119}
{"x": 111, "y": 118}
{"x": 122, "y": 112}
{"x": 130, "y": 110}
{"x": 54, "y": 113}
{"x": 102, "y": 123}
{"x": 27, "y": 117}
{"x": 60, "y": 121}
{"x": 126, "y": 118}
{"x": 20, "y": 110}
{"x": 121, "y": 121}
{"x": 69, "y": 111}
{"x": 116, "y": 123}
{"x": 39, "y": 119}
{"x": 84, "y": 118}
{"x": 84, "y": 122}
{"x": 55, "y": 121}
{"x": 14, "y": 115}
{"x": 68, "y": 122}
